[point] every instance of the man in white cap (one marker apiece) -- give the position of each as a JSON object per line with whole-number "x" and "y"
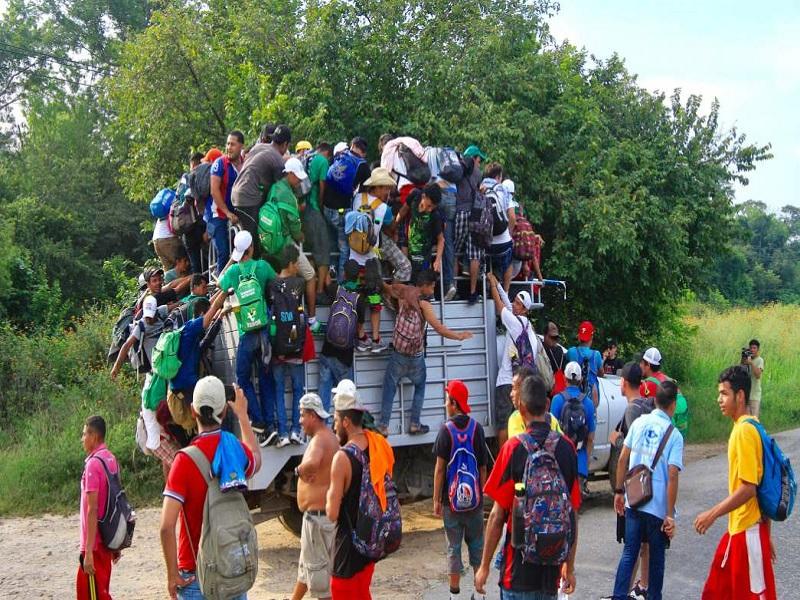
{"x": 514, "y": 316}
{"x": 651, "y": 365}
{"x": 248, "y": 278}
{"x": 185, "y": 492}
{"x": 313, "y": 479}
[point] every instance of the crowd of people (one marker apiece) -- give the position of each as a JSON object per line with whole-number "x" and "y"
{"x": 419, "y": 215}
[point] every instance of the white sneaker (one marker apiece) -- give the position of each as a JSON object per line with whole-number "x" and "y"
{"x": 378, "y": 347}
{"x": 451, "y": 293}
{"x": 363, "y": 345}
{"x": 283, "y": 442}
{"x": 296, "y": 438}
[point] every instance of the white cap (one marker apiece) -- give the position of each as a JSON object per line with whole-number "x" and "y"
{"x": 509, "y": 185}
{"x": 652, "y": 356}
{"x": 314, "y": 402}
{"x": 346, "y": 396}
{"x": 241, "y": 242}
{"x": 573, "y": 371}
{"x": 210, "y": 391}
{"x": 293, "y": 165}
{"x": 340, "y": 147}
{"x": 149, "y": 307}
{"x": 525, "y": 298}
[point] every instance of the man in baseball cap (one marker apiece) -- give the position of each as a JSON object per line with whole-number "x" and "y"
{"x": 241, "y": 243}
{"x": 583, "y": 353}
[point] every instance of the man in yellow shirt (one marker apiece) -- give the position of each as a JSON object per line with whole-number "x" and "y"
{"x": 741, "y": 569}
{"x": 516, "y": 423}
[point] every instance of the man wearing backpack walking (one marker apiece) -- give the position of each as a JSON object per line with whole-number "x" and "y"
{"x": 94, "y": 571}
{"x": 590, "y": 361}
{"x": 219, "y": 211}
{"x": 460, "y": 474}
{"x": 361, "y": 490}
{"x": 652, "y": 442}
{"x": 575, "y": 412}
{"x": 187, "y": 488}
{"x": 533, "y": 567}
{"x": 742, "y": 565}
{"x": 520, "y": 349}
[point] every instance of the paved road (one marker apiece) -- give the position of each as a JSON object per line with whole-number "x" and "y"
{"x": 702, "y": 484}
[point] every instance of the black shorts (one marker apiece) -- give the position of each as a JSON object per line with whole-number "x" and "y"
{"x": 502, "y": 406}
{"x": 317, "y": 237}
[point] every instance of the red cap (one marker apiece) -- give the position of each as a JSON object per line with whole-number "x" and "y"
{"x": 648, "y": 389}
{"x": 585, "y": 331}
{"x": 212, "y": 155}
{"x": 459, "y": 393}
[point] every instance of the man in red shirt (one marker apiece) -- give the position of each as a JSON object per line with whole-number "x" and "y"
{"x": 94, "y": 573}
{"x": 519, "y": 579}
{"x": 185, "y": 493}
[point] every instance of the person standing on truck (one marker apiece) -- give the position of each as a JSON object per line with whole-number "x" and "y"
{"x": 408, "y": 355}
{"x": 517, "y": 350}
{"x": 313, "y": 480}
{"x": 467, "y": 188}
{"x": 219, "y": 211}
{"x": 590, "y": 361}
{"x": 460, "y": 474}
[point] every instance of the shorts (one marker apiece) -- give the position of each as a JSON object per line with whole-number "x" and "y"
{"x": 501, "y": 256}
{"x": 304, "y": 268}
{"x": 466, "y": 526}
{"x": 316, "y": 559}
{"x": 317, "y": 237}
{"x": 355, "y": 587}
{"x": 742, "y": 567}
{"x": 502, "y": 406}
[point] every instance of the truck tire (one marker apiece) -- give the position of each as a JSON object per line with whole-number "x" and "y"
{"x": 613, "y": 460}
{"x": 292, "y": 519}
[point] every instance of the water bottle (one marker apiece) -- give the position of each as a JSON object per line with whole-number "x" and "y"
{"x": 518, "y": 517}
{"x": 293, "y": 333}
{"x": 273, "y": 327}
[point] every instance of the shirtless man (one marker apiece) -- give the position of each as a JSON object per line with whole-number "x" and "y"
{"x": 313, "y": 478}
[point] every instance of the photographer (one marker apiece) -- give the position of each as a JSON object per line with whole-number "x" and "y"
{"x": 752, "y": 360}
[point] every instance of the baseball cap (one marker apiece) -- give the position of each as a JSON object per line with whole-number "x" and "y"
{"x": 210, "y": 391}
{"x": 525, "y": 298}
{"x": 473, "y": 151}
{"x": 293, "y": 165}
{"x": 648, "y": 389}
{"x": 241, "y": 242}
{"x": 212, "y": 155}
{"x": 303, "y": 145}
{"x": 340, "y": 147}
{"x": 632, "y": 373}
{"x": 459, "y": 393}
{"x": 585, "y": 331}
{"x": 510, "y": 187}
{"x": 150, "y": 272}
{"x": 573, "y": 371}
{"x": 652, "y": 356}
{"x": 314, "y": 402}
{"x": 149, "y": 307}
{"x": 346, "y": 396}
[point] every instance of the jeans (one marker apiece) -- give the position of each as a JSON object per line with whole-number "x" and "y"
{"x": 641, "y": 527}
{"x": 511, "y": 595}
{"x": 298, "y": 375}
{"x": 250, "y": 351}
{"x": 218, "y": 232}
{"x": 412, "y": 367}
{"x": 192, "y": 591}
{"x": 331, "y": 372}
{"x": 336, "y": 221}
{"x": 449, "y": 259}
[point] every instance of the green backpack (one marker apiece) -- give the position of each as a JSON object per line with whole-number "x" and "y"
{"x": 252, "y": 305}
{"x": 271, "y": 231}
{"x": 681, "y": 417}
{"x": 165, "y": 362}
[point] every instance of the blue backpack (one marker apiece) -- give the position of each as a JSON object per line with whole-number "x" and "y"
{"x": 161, "y": 203}
{"x": 463, "y": 479}
{"x": 778, "y": 487}
{"x": 342, "y": 173}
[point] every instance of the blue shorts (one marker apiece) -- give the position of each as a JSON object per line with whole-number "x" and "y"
{"x": 501, "y": 255}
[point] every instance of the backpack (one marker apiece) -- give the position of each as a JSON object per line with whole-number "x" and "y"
{"x": 525, "y": 356}
{"x": 417, "y": 170}
{"x": 545, "y": 369}
{"x": 119, "y": 520}
{"x": 343, "y": 320}
{"x": 227, "y": 557}
{"x": 463, "y": 478}
{"x": 252, "y": 305}
{"x": 271, "y": 231}
{"x": 480, "y": 220}
{"x": 573, "y": 419}
{"x": 165, "y": 361}
{"x": 161, "y": 203}
{"x": 183, "y": 215}
{"x": 140, "y": 353}
{"x": 524, "y": 239}
{"x": 200, "y": 182}
{"x": 778, "y": 488}
{"x": 359, "y": 225}
{"x": 499, "y": 217}
{"x": 548, "y": 510}
{"x": 450, "y": 167}
{"x": 289, "y": 332}
{"x": 342, "y": 173}
{"x": 408, "y": 337}
{"x": 120, "y": 332}
{"x": 376, "y": 533}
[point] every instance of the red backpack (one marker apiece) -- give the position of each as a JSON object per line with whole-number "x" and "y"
{"x": 524, "y": 239}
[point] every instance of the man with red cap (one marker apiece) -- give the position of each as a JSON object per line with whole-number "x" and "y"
{"x": 591, "y": 361}
{"x": 458, "y": 480}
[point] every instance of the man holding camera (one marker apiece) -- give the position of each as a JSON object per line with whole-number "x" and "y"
{"x": 752, "y": 360}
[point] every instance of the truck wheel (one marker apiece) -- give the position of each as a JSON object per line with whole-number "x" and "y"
{"x": 291, "y": 518}
{"x": 613, "y": 460}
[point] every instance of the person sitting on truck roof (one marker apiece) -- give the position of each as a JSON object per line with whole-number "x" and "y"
{"x": 408, "y": 355}
{"x": 514, "y": 318}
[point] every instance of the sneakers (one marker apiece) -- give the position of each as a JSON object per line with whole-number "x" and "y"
{"x": 451, "y": 293}
{"x": 378, "y": 347}
{"x": 473, "y": 298}
{"x": 638, "y": 592}
{"x": 418, "y": 429}
{"x": 296, "y": 438}
{"x": 477, "y": 596}
{"x": 283, "y": 442}
{"x": 363, "y": 345}
{"x": 258, "y": 427}
{"x": 265, "y": 438}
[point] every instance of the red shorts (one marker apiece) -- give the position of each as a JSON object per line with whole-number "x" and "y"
{"x": 95, "y": 588}
{"x": 355, "y": 587}
{"x": 742, "y": 567}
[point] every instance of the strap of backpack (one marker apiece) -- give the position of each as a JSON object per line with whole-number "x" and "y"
{"x": 200, "y": 461}
{"x": 108, "y": 483}
{"x": 661, "y": 447}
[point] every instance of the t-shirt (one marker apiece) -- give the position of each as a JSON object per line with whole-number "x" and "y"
{"x": 381, "y": 216}
{"x": 508, "y": 470}
{"x": 335, "y": 200}
{"x": 501, "y": 206}
{"x": 343, "y": 355}
{"x": 755, "y": 382}
{"x": 643, "y": 439}
{"x": 165, "y": 297}
{"x": 423, "y": 230}
{"x": 294, "y": 286}
{"x": 557, "y": 406}
{"x": 317, "y": 171}
{"x": 444, "y": 445}
{"x": 579, "y": 353}
{"x": 516, "y": 424}
{"x": 745, "y": 463}
{"x": 218, "y": 170}
{"x": 465, "y": 194}
{"x": 263, "y": 272}
{"x": 612, "y": 365}
{"x": 261, "y": 169}
{"x": 147, "y": 334}
{"x": 186, "y": 484}
{"x": 94, "y": 479}
{"x": 634, "y": 410}
{"x": 514, "y": 326}
{"x": 555, "y": 354}
{"x": 346, "y": 560}
{"x": 170, "y": 275}
{"x": 161, "y": 230}
{"x": 189, "y": 355}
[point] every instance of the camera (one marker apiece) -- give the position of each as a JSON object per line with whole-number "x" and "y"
{"x": 746, "y": 354}
{"x": 230, "y": 393}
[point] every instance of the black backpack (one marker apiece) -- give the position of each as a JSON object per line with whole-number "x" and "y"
{"x": 117, "y": 525}
{"x": 499, "y": 216}
{"x": 288, "y": 321}
{"x": 200, "y": 182}
{"x": 417, "y": 171}
{"x": 573, "y": 419}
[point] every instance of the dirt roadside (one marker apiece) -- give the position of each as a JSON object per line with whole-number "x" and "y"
{"x": 43, "y": 552}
